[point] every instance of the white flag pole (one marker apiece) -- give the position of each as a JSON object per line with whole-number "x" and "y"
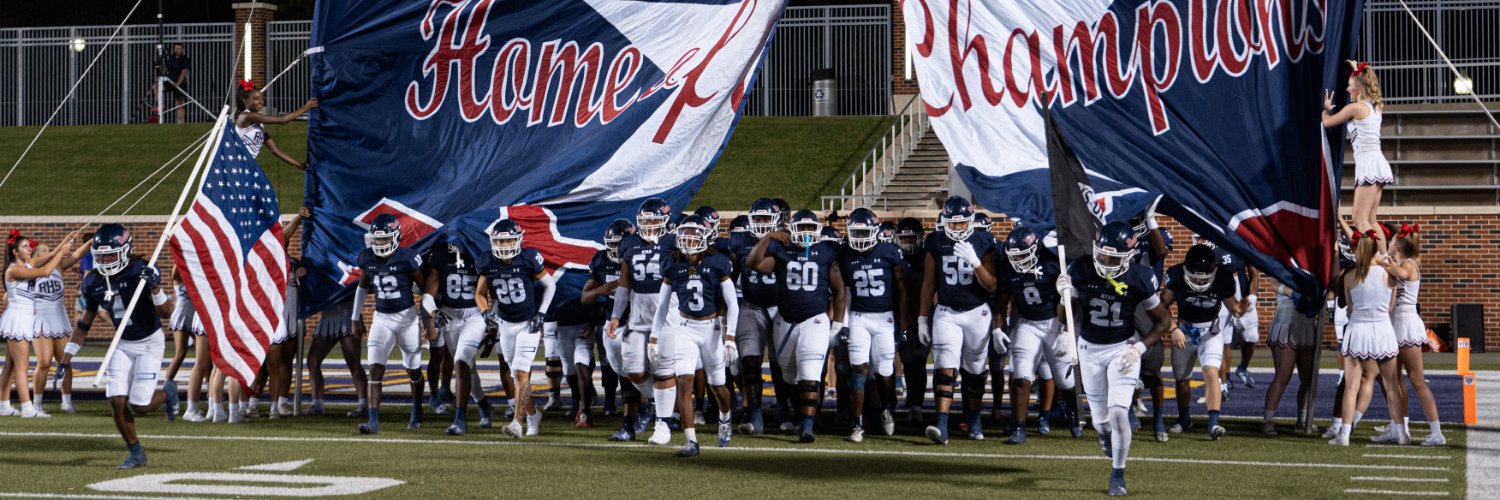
{"x": 209, "y": 148}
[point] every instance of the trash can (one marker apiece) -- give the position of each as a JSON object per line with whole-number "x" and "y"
{"x": 824, "y": 94}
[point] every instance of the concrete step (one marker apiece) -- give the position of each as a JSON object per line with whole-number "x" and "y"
{"x": 913, "y": 177}
{"x": 916, "y": 189}
{"x": 915, "y": 163}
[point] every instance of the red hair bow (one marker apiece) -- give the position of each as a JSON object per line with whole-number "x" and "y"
{"x": 15, "y": 234}
{"x": 1408, "y": 229}
{"x": 1354, "y": 238}
{"x": 248, "y": 85}
{"x": 1360, "y": 68}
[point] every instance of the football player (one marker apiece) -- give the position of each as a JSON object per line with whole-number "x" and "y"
{"x": 604, "y": 279}
{"x": 390, "y": 270}
{"x": 455, "y": 275}
{"x": 810, "y": 305}
{"x": 1028, "y": 292}
{"x": 701, "y": 281}
{"x": 574, "y": 341}
{"x": 1108, "y": 289}
{"x": 509, "y": 282}
{"x": 759, "y": 291}
{"x": 1152, "y": 246}
{"x": 1200, "y": 290}
{"x": 1245, "y": 326}
{"x": 876, "y": 312}
{"x": 913, "y": 352}
{"x": 960, "y": 272}
{"x": 642, "y": 255}
{"x": 136, "y": 365}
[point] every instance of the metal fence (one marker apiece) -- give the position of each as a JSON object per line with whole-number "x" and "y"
{"x": 854, "y": 41}
{"x": 1411, "y": 71}
{"x": 285, "y": 42}
{"x": 38, "y": 65}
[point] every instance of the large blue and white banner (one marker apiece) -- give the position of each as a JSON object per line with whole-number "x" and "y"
{"x": 1213, "y": 105}
{"x": 569, "y": 112}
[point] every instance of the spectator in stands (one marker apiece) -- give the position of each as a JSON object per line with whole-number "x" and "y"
{"x": 175, "y": 68}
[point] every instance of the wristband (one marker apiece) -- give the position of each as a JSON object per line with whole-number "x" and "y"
{"x": 159, "y": 298}
{"x": 72, "y": 349}
{"x": 81, "y": 326}
{"x": 428, "y": 304}
{"x": 836, "y": 326}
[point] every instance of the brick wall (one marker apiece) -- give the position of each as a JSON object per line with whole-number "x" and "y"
{"x": 257, "y": 14}
{"x": 899, "y": 84}
{"x": 1459, "y": 264}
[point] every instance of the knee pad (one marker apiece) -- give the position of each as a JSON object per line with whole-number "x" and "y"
{"x": 554, "y": 364}
{"x": 804, "y": 388}
{"x": 942, "y": 386}
{"x": 942, "y": 379}
{"x": 973, "y": 383}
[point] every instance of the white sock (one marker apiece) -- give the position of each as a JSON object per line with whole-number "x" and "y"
{"x": 1338, "y": 423}
{"x": 1344, "y": 432}
{"x": 1406, "y": 422}
{"x": 1435, "y": 426}
{"x": 36, "y": 399}
{"x": 27, "y": 406}
{"x": 724, "y": 416}
{"x": 283, "y": 401}
{"x": 67, "y": 399}
{"x": 665, "y": 400}
{"x": 254, "y": 402}
{"x": 6, "y": 405}
{"x": 1270, "y": 415}
{"x": 1357, "y": 416}
{"x": 692, "y": 434}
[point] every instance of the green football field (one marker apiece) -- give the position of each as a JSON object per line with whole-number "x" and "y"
{"x": 73, "y": 456}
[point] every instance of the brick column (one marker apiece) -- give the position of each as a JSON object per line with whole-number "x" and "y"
{"x": 257, "y": 14}
{"x": 899, "y": 84}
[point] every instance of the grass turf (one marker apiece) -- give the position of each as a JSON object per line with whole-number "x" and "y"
{"x": 78, "y": 170}
{"x": 566, "y": 460}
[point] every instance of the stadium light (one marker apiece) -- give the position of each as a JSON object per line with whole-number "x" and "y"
{"x": 77, "y": 44}
{"x": 1463, "y": 85}
{"x": 249, "y": 42}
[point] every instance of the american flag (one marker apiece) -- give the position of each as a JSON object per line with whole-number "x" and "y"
{"x": 229, "y": 253}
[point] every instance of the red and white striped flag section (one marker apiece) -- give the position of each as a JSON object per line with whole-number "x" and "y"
{"x": 229, "y": 253}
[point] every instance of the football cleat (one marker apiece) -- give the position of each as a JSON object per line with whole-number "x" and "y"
{"x": 361, "y": 412}
{"x": 1106, "y": 445}
{"x": 1339, "y": 440}
{"x": 1162, "y": 436}
{"x": 938, "y": 436}
{"x": 368, "y": 428}
{"x": 1117, "y": 483}
{"x": 67, "y": 407}
{"x": 486, "y": 414}
{"x": 674, "y": 423}
{"x": 436, "y": 402}
{"x": 583, "y": 422}
{"x": 192, "y": 415}
{"x": 534, "y": 424}
{"x": 316, "y": 411}
{"x": 553, "y": 403}
{"x": 726, "y": 433}
{"x": 1216, "y": 432}
{"x": 415, "y": 422}
{"x": 662, "y": 435}
{"x": 1245, "y": 377}
{"x": 1017, "y": 437}
{"x": 698, "y": 418}
{"x": 170, "y": 388}
{"x": 807, "y": 436}
{"x": 1043, "y": 426}
{"x": 458, "y": 428}
{"x": 1161, "y": 430}
{"x": 688, "y": 450}
{"x": 914, "y": 416}
{"x": 788, "y": 427}
{"x": 513, "y": 430}
{"x": 1268, "y": 428}
{"x": 1435, "y": 439}
{"x": 626, "y": 433}
{"x": 887, "y": 422}
{"x": 1135, "y": 420}
{"x": 134, "y": 460}
{"x": 857, "y": 436}
{"x": 1332, "y": 432}
{"x": 1180, "y": 426}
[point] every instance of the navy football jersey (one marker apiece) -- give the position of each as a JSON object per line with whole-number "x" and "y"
{"x": 697, "y": 286}
{"x": 514, "y": 285}
{"x": 1033, "y": 295}
{"x": 455, "y": 283}
{"x": 914, "y": 266}
{"x": 143, "y": 320}
{"x": 722, "y": 245}
{"x": 566, "y": 308}
{"x": 1233, "y": 264}
{"x": 391, "y": 279}
{"x": 957, "y": 288}
{"x": 758, "y": 289}
{"x": 1109, "y": 308}
{"x": 644, "y": 261}
{"x": 804, "y": 273}
{"x": 604, "y": 271}
{"x": 871, "y": 276}
{"x": 1194, "y": 306}
{"x": 1145, "y": 256}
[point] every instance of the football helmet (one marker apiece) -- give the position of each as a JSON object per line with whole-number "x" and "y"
{"x": 692, "y": 235}
{"x": 1021, "y": 248}
{"x": 384, "y": 235}
{"x": 982, "y": 222}
{"x": 111, "y": 250}
{"x": 831, "y": 235}
{"x": 863, "y": 229}
{"x": 1138, "y": 224}
{"x": 505, "y": 239}
{"x": 1199, "y": 268}
{"x": 957, "y": 218}
{"x": 886, "y": 232}
{"x": 652, "y": 218}
{"x": 740, "y": 224}
{"x": 909, "y": 234}
{"x": 805, "y": 228}
{"x": 1114, "y": 247}
{"x": 711, "y": 218}
{"x": 614, "y": 233}
{"x": 786, "y": 210}
{"x": 1346, "y": 250}
{"x": 765, "y": 217}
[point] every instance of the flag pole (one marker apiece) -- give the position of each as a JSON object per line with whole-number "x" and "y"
{"x": 1062, "y": 260}
{"x": 209, "y": 149}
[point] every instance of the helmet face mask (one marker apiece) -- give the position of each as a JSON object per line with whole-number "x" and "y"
{"x": 805, "y": 228}
{"x": 765, "y": 217}
{"x": 614, "y": 233}
{"x": 384, "y": 236}
{"x": 863, "y": 237}
{"x": 1114, "y": 247}
{"x": 505, "y": 239}
{"x": 1198, "y": 282}
{"x": 1021, "y": 250}
{"x": 957, "y": 218}
{"x": 1199, "y": 268}
{"x": 651, "y": 227}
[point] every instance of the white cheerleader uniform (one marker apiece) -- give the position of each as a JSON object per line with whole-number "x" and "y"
{"x": 19, "y": 321}
{"x": 254, "y": 137}
{"x": 1410, "y": 330}
{"x": 1293, "y": 330}
{"x": 183, "y": 317}
{"x": 1370, "y": 334}
{"x": 335, "y": 323}
{"x": 1370, "y": 165}
{"x": 51, "y": 314}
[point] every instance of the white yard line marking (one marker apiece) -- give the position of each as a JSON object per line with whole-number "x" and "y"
{"x": 278, "y": 467}
{"x": 1392, "y": 492}
{"x": 1401, "y": 479}
{"x": 84, "y": 496}
{"x": 827, "y": 451}
{"x": 1398, "y": 455}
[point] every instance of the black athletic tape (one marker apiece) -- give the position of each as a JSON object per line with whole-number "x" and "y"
{"x": 942, "y": 379}
{"x": 554, "y": 363}
{"x": 942, "y": 394}
{"x": 82, "y": 326}
{"x": 973, "y": 383}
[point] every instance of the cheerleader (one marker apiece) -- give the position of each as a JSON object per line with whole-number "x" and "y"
{"x": 249, "y": 121}
{"x": 336, "y": 329}
{"x": 22, "y": 320}
{"x": 53, "y": 327}
{"x": 1294, "y": 339}
{"x": 1370, "y": 339}
{"x": 1402, "y": 262}
{"x": 1371, "y": 170}
{"x": 185, "y": 326}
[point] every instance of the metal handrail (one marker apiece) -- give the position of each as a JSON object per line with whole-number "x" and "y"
{"x": 868, "y": 180}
